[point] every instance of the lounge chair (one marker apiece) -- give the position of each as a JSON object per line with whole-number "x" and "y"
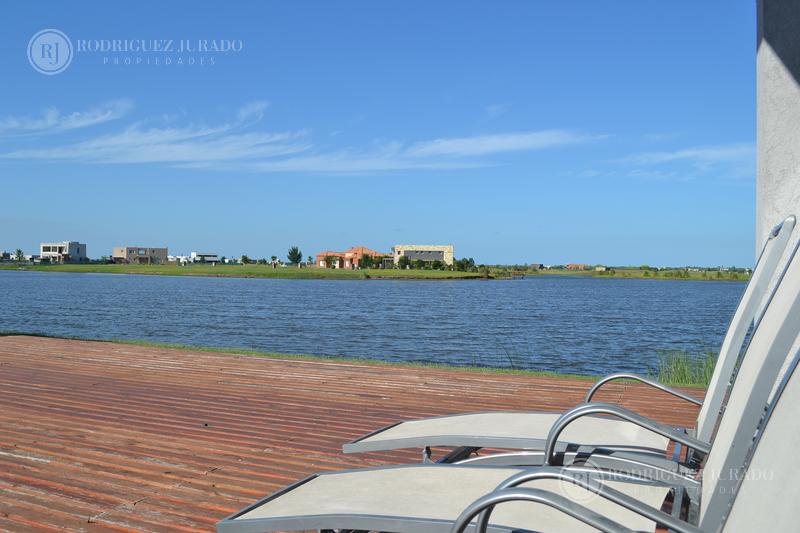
{"x": 753, "y": 494}
{"x": 430, "y": 498}
{"x": 528, "y": 430}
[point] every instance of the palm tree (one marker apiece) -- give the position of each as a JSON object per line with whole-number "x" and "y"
{"x": 18, "y": 255}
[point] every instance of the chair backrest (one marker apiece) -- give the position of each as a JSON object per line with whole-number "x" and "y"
{"x": 769, "y": 348}
{"x": 767, "y": 489}
{"x": 747, "y": 312}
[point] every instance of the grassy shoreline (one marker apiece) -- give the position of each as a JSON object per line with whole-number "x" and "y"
{"x": 637, "y": 273}
{"x": 267, "y": 272}
{"x": 251, "y": 271}
{"x": 666, "y": 372}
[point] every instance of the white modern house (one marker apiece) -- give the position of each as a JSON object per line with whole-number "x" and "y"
{"x": 198, "y": 257}
{"x": 195, "y": 257}
{"x": 63, "y": 252}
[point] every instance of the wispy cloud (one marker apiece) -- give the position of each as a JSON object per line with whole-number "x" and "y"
{"x": 660, "y": 137}
{"x": 349, "y": 161}
{"x": 190, "y": 144}
{"x": 253, "y": 111}
{"x": 495, "y": 110}
{"x": 497, "y": 143}
{"x": 240, "y": 144}
{"x": 702, "y": 155}
{"x": 720, "y": 162}
{"x": 51, "y": 120}
{"x": 444, "y": 153}
{"x": 171, "y": 146}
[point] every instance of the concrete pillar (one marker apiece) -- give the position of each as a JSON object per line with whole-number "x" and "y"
{"x": 778, "y": 101}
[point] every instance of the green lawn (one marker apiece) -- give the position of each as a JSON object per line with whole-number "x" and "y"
{"x": 249, "y": 271}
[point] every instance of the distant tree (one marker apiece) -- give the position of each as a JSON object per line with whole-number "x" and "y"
{"x": 18, "y": 255}
{"x": 244, "y": 259}
{"x": 418, "y": 264}
{"x": 465, "y": 264}
{"x": 437, "y": 265}
{"x": 404, "y": 262}
{"x": 295, "y": 256}
{"x": 331, "y": 260}
{"x": 222, "y": 259}
{"x": 273, "y": 258}
{"x": 367, "y": 261}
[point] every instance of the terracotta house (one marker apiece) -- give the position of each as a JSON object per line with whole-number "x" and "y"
{"x": 349, "y": 258}
{"x": 577, "y": 266}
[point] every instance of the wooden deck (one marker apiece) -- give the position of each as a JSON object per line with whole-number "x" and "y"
{"x": 100, "y": 436}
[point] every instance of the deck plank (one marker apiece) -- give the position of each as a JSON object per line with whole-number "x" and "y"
{"x": 97, "y": 436}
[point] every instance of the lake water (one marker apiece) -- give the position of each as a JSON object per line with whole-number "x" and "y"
{"x": 561, "y": 324}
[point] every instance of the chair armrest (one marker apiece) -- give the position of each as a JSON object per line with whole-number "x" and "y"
{"x": 551, "y": 499}
{"x": 485, "y": 504}
{"x": 641, "y": 379}
{"x": 619, "y": 412}
{"x": 588, "y": 479}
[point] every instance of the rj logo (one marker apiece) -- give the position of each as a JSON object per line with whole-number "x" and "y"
{"x": 50, "y": 51}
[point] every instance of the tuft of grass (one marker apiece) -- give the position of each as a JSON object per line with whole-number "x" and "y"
{"x": 677, "y": 367}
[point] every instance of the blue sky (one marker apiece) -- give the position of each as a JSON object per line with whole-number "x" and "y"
{"x": 618, "y": 132}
